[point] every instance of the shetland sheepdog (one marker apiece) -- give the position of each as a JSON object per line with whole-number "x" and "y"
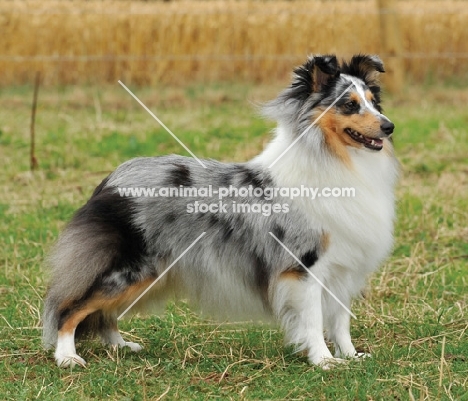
{"x": 301, "y": 263}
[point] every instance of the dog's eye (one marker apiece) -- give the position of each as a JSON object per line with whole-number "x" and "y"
{"x": 351, "y": 105}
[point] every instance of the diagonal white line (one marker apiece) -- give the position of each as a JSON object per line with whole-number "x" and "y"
{"x": 313, "y": 275}
{"x": 310, "y": 126}
{"x": 161, "y": 275}
{"x": 162, "y": 124}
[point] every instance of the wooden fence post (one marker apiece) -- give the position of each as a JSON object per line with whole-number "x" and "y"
{"x": 391, "y": 46}
{"x": 32, "y": 154}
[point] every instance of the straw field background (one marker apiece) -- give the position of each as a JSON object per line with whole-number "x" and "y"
{"x": 181, "y": 41}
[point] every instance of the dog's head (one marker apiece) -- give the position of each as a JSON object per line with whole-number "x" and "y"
{"x": 342, "y": 100}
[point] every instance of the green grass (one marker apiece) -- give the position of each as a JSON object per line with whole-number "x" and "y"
{"x": 414, "y": 304}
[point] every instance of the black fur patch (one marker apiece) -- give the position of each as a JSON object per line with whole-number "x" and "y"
{"x": 227, "y": 231}
{"x": 278, "y": 232}
{"x": 250, "y": 177}
{"x": 225, "y": 181}
{"x": 109, "y": 217}
{"x": 214, "y": 220}
{"x": 301, "y": 87}
{"x": 170, "y": 218}
{"x": 222, "y": 227}
{"x": 262, "y": 277}
{"x": 180, "y": 176}
{"x": 309, "y": 258}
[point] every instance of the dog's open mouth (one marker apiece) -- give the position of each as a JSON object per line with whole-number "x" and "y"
{"x": 370, "y": 143}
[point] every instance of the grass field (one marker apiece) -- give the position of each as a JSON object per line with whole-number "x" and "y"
{"x": 414, "y": 319}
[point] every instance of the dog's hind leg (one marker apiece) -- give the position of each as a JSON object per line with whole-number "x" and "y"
{"x": 110, "y": 335}
{"x": 105, "y": 324}
{"x": 109, "y": 331}
{"x": 65, "y": 353}
{"x": 70, "y": 317}
{"x": 95, "y": 314}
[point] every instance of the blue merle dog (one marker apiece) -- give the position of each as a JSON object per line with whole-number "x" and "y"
{"x": 300, "y": 265}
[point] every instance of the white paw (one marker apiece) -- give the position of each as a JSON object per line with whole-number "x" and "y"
{"x": 65, "y": 361}
{"x": 133, "y": 346}
{"x": 330, "y": 363}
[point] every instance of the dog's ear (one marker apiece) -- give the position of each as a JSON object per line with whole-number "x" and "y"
{"x": 326, "y": 67}
{"x": 313, "y": 75}
{"x": 365, "y": 67}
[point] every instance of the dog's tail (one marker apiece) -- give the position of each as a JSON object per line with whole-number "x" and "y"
{"x": 50, "y": 322}
{"x": 82, "y": 253}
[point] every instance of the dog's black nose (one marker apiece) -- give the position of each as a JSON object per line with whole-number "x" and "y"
{"x": 387, "y": 127}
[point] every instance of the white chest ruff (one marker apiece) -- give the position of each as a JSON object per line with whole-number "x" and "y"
{"x": 360, "y": 225}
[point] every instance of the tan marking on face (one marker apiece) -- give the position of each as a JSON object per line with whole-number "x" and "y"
{"x": 354, "y": 96}
{"x": 335, "y": 138}
{"x": 101, "y": 302}
{"x": 369, "y": 96}
{"x": 366, "y": 124}
{"x": 333, "y": 126}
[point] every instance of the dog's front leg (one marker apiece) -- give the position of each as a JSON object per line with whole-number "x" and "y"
{"x": 337, "y": 324}
{"x": 298, "y": 305}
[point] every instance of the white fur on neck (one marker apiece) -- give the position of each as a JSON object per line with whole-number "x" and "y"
{"x": 360, "y": 228}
